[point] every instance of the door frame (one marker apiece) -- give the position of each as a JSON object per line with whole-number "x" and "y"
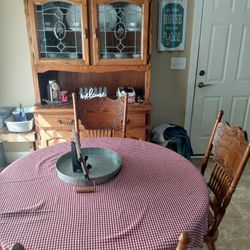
{"x": 193, "y": 62}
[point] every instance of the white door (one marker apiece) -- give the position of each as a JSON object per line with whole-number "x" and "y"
{"x": 223, "y": 72}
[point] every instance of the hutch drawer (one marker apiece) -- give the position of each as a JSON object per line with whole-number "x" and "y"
{"x": 54, "y": 125}
{"x": 55, "y": 121}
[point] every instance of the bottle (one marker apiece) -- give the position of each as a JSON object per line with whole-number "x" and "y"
{"x": 49, "y": 90}
{"x": 56, "y": 93}
{"x": 22, "y": 117}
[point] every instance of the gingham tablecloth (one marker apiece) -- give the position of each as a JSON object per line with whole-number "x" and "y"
{"x": 157, "y": 195}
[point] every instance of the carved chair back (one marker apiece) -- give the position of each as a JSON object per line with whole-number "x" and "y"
{"x": 183, "y": 241}
{"x": 231, "y": 149}
{"x": 101, "y": 117}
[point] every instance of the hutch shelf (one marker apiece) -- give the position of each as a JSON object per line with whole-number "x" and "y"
{"x": 89, "y": 44}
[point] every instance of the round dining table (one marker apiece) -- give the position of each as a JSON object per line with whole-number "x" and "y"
{"x": 157, "y": 195}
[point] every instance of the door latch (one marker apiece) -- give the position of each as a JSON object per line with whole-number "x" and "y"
{"x": 202, "y": 85}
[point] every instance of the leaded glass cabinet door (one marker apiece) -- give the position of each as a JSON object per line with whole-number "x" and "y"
{"x": 60, "y": 30}
{"x": 120, "y": 30}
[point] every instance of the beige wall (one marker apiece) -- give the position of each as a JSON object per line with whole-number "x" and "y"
{"x": 168, "y": 87}
{"x": 16, "y": 84}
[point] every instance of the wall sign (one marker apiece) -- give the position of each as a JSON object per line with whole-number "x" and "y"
{"x": 172, "y": 25}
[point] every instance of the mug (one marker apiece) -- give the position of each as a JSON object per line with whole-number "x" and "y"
{"x": 64, "y": 96}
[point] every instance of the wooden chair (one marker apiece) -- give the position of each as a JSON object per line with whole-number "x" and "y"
{"x": 231, "y": 149}
{"x": 101, "y": 117}
{"x": 183, "y": 241}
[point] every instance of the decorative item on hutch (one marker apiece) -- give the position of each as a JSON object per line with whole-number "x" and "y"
{"x": 64, "y": 96}
{"x": 86, "y": 45}
{"x": 131, "y": 93}
{"x": 89, "y": 93}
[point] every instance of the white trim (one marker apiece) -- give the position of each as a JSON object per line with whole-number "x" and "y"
{"x": 12, "y": 156}
{"x": 197, "y": 157}
{"x": 193, "y": 62}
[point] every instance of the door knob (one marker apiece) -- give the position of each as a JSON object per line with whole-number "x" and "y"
{"x": 202, "y": 85}
{"x": 202, "y": 73}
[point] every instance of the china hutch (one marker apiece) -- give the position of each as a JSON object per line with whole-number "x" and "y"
{"x": 89, "y": 44}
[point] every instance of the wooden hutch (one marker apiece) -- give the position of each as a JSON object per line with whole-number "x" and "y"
{"x": 89, "y": 43}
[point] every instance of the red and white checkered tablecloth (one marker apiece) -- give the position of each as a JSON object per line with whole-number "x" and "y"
{"x": 156, "y": 196}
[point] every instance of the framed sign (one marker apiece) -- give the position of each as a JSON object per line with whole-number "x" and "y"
{"x": 172, "y": 25}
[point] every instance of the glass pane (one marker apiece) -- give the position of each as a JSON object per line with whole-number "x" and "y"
{"x": 59, "y": 30}
{"x": 120, "y": 30}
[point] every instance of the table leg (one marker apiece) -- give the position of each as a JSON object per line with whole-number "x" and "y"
{"x": 32, "y": 146}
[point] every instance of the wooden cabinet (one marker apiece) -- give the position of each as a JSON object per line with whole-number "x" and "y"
{"x": 58, "y": 33}
{"x": 86, "y": 44}
{"x": 120, "y": 32}
{"x": 54, "y": 124}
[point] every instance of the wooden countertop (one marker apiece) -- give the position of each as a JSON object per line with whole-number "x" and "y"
{"x": 68, "y": 109}
{"x": 7, "y": 136}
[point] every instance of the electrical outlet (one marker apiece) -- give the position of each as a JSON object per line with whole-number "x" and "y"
{"x": 178, "y": 63}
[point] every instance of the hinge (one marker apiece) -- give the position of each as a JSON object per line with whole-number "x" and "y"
{"x": 96, "y": 33}
{"x": 33, "y": 57}
{"x": 85, "y": 33}
{"x": 149, "y": 58}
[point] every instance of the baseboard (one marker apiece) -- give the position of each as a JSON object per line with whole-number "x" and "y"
{"x": 12, "y": 156}
{"x": 197, "y": 156}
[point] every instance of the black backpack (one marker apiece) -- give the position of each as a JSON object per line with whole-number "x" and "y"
{"x": 178, "y": 140}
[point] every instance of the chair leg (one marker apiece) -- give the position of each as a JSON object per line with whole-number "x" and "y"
{"x": 211, "y": 245}
{"x": 210, "y": 240}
